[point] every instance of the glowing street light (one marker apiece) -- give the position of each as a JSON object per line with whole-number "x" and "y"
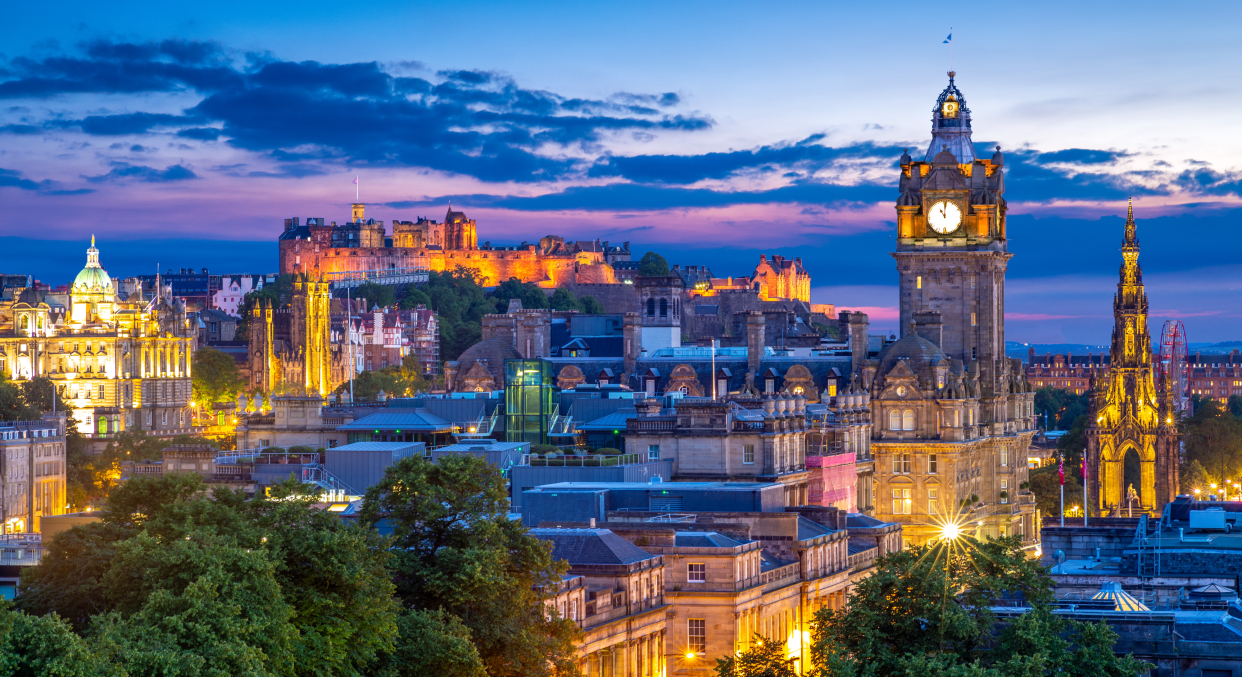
{"x": 950, "y": 531}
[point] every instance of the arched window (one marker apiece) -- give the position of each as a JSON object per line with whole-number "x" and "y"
{"x": 907, "y": 419}
{"x": 894, "y": 420}
{"x": 650, "y": 307}
{"x": 663, "y": 307}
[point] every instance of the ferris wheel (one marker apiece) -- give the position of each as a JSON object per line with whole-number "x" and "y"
{"x": 1173, "y": 363}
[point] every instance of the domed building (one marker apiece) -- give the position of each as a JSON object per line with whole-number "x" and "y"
{"x": 121, "y": 363}
{"x": 953, "y": 416}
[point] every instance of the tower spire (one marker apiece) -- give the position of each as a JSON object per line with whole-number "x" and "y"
{"x": 1131, "y": 228}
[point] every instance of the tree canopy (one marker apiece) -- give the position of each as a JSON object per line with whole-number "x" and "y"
{"x": 652, "y": 265}
{"x": 215, "y": 377}
{"x": 456, "y": 551}
{"x": 1213, "y": 439}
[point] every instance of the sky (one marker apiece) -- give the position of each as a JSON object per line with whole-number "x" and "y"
{"x": 183, "y": 134}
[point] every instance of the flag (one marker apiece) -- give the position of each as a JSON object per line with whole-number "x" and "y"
{"x": 1084, "y": 466}
{"x": 1061, "y": 471}
{"x": 355, "y": 180}
{"x": 948, "y": 40}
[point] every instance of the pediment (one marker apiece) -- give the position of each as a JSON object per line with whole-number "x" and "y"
{"x": 477, "y": 371}
{"x": 901, "y": 479}
{"x": 901, "y": 370}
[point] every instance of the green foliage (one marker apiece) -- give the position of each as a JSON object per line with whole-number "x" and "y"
{"x": 216, "y": 378}
{"x": 1213, "y": 437}
{"x": 433, "y": 643}
{"x": 608, "y": 451}
{"x": 13, "y": 405}
{"x": 1235, "y": 405}
{"x": 563, "y": 299}
{"x": 460, "y": 304}
{"x": 591, "y": 305}
{"x": 404, "y": 381}
{"x": 763, "y": 659}
{"x": 414, "y": 298}
{"x": 456, "y": 550}
{"x": 1047, "y": 488}
{"x": 928, "y": 610}
{"x": 44, "y": 645}
{"x": 1062, "y": 405}
{"x": 652, "y": 265}
{"x": 174, "y": 582}
{"x": 38, "y": 392}
{"x": 1194, "y": 476}
{"x": 528, "y": 293}
{"x": 375, "y": 294}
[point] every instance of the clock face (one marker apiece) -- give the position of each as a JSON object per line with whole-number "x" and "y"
{"x": 901, "y": 391}
{"x": 949, "y": 109}
{"x": 945, "y": 217}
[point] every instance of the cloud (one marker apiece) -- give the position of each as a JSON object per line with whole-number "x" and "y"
{"x": 128, "y": 123}
{"x": 124, "y": 172}
{"x": 11, "y": 178}
{"x": 200, "y": 133}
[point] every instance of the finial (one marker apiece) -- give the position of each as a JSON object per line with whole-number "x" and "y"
{"x": 997, "y": 148}
{"x": 944, "y": 146}
{"x": 92, "y": 239}
{"x": 951, "y": 75}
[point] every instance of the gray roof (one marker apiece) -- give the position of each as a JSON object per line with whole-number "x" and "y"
{"x": 857, "y": 520}
{"x": 700, "y": 539}
{"x": 413, "y": 420}
{"x": 1208, "y": 632}
{"x": 613, "y": 421}
{"x": 808, "y": 529}
{"x": 768, "y": 561}
{"x": 591, "y": 546}
{"x": 378, "y": 446}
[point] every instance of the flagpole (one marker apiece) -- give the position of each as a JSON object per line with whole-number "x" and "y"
{"x": 1084, "y": 488}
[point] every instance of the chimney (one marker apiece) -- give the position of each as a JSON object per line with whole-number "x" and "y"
{"x": 928, "y": 325}
{"x": 855, "y": 327}
{"x": 632, "y": 335}
{"x": 756, "y": 326}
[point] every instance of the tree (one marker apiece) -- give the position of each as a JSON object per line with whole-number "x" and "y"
{"x": 1194, "y": 476}
{"x": 216, "y": 378}
{"x": 433, "y": 643}
{"x": 414, "y": 298}
{"x": 375, "y": 294}
{"x": 592, "y": 306}
{"x": 44, "y": 645}
{"x": 763, "y": 659}
{"x": 455, "y": 549}
{"x": 652, "y": 265}
{"x": 563, "y": 299}
{"x": 1062, "y": 406}
{"x": 1047, "y": 488}
{"x": 1213, "y": 437}
{"x": 13, "y": 405}
{"x": 930, "y": 610}
{"x": 220, "y": 585}
{"x": 528, "y": 293}
{"x": 41, "y": 395}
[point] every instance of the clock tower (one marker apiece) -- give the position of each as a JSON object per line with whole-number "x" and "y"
{"x": 952, "y": 252}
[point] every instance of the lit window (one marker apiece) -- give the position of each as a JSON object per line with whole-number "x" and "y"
{"x": 901, "y": 501}
{"x": 933, "y": 494}
{"x": 748, "y": 454}
{"x": 907, "y": 420}
{"x": 696, "y": 573}
{"x": 972, "y": 319}
{"x": 696, "y": 635}
{"x": 918, "y": 282}
{"x": 1004, "y": 457}
{"x": 894, "y": 420}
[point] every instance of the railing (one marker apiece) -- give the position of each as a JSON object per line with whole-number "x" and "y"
{"x": 594, "y": 461}
{"x": 781, "y": 575}
{"x": 151, "y": 469}
{"x": 320, "y": 477}
{"x": 28, "y": 556}
{"x": 651, "y": 425}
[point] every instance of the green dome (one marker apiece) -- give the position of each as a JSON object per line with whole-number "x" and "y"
{"x": 93, "y": 275}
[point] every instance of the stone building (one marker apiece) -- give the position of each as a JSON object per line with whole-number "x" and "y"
{"x": 1216, "y": 376}
{"x": 320, "y": 248}
{"x": 293, "y": 347}
{"x": 32, "y": 472}
{"x": 120, "y": 362}
{"x": 712, "y": 440}
{"x": 1132, "y": 415}
{"x": 615, "y": 592}
{"x": 291, "y": 420}
{"x": 779, "y": 278}
{"x": 953, "y": 416}
{"x": 1071, "y": 372}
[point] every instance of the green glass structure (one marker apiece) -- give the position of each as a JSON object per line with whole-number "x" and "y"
{"x": 528, "y": 400}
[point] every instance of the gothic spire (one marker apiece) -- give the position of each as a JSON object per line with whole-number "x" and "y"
{"x": 1131, "y": 229}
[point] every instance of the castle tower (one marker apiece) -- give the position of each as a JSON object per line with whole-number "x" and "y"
{"x": 1132, "y": 416}
{"x": 952, "y": 252}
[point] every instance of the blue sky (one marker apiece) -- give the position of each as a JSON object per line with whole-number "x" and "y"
{"x": 709, "y": 131}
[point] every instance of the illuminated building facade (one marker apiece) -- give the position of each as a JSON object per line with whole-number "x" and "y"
{"x": 316, "y": 247}
{"x": 292, "y": 348}
{"x": 953, "y": 415}
{"x": 1132, "y": 415}
{"x": 32, "y": 472}
{"x": 120, "y": 362}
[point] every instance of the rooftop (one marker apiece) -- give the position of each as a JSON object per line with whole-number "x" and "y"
{"x": 591, "y": 546}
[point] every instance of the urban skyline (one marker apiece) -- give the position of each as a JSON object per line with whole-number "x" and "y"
{"x": 691, "y": 159}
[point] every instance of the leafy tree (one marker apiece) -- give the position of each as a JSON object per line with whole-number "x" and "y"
{"x": 13, "y": 405}
{"x": 216, "y": 378}
{"x": 929, "y": 610}
{"x": 375, "y": 294}
{"x": 528, "y": 293}
{"x": 173, "y": 582}
{"x": 460, "y": 304}
{"x": 456, "y": 550}
{"x": 1194, "y": 476}
{"x": 765, "y": 658}
{"x": 44, "y": 645}
{"x": 1235, "y": 405}
{"x": 652, "y": 265}
{"x": 38, "y": 393}
{"x": 592, "y": 306}
{"x": 1047, "y": 488}
{"x": 433, "y": 643}
{"x": 563, "y": 299}
{"x": 1213, "y": 437}
{"x": 1062, "y": 406}
{"x": 414, "y": 298}
{"x": 1073, "y": 443}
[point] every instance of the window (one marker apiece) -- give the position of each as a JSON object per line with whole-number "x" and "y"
{"x": 1004, "y": 457}
{"x": 651, "y": 385}
{"x": 931, "y": 464}
{"x": 748, "y": 454}
{"x": 957, "y": 419}
{"x": 972, "y": 281}
{"x": 907, "y": 419}
{"x": 663, "y": 307}
{"x": 933, "y": 496}
{"x": 650, "y": 307}
{"x": 696, "y": 634}
{"x": 918, "y": 282}
{"x": 1004, "y": 530}
{"x": 901, "y": 464}
{"x": 653, "y": 452}
{"x": 722, "y": 387}
{"x": 769, "y": 386}
{"x": 974, "y": 351}
{"x": 1004, "y": 492}
{"x": 696, "y": 573}
{"x": 894, "y": 420}
{"x": 901, "y": 501}
{"x": 973, "y": 319}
